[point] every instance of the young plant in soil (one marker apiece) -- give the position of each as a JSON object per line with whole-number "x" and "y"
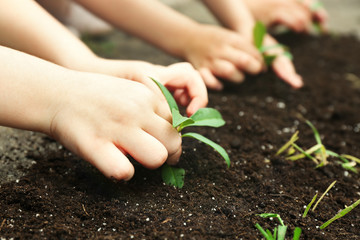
{"x": 279, "y": 231}
{"x": 337, "y": 216}
{"x": 203, "y": 117}
{"x": 259, "y": 33}
{"x": 317, "y": 153}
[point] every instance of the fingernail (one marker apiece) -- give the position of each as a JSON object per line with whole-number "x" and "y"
{"x": 255, "y": 67}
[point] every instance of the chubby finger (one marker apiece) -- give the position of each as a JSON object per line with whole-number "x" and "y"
{"x": 109, "y": 159}
{"x": 243, "y": 61}
{"x": 210, "y": 80}
{"x": 284, "y": 69}
{"x": 227, "y": 70}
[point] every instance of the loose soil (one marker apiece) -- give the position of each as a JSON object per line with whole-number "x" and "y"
{"x": 63, "y": 197}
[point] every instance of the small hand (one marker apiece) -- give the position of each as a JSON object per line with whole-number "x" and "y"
{"x": 217, "y": 52}
{"x": 297, "y": 15}
{"x": 102, "y": 119}
{"x": 282, "y": 65}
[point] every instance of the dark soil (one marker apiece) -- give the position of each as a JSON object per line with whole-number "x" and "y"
{"x": 63, "y": 197}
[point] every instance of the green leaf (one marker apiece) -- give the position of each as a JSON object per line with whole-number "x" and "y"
{"x": 263, "y": 232}
{"x": 178, "y": 119}
{"x": 322, "y": 196}
{"x": 207, "y": 141}
{"x": 309, "y": 206}
{"x": 259, "y": 34}
{"x": 273, "y": 215}
{"x": 209, "y": 117}
{"x": 315, "y": 131}
{"x": 269, "y": 59}
{"x": 340, "y": 214}
{"x": 293, "y": 139}
{"x": 173, "y": 176}
{"x": 263, "y": 49}
{"x": 281, "y": 232}
{"x": 297, "y": 233}
{"x": 169, "y": 98}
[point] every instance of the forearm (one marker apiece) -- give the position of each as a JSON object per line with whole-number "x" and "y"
{"x": 150, "y": 20}
{"x": 233, "y": 14}
{"x": 27, "y": 27}
{"x": 29, "y": 89}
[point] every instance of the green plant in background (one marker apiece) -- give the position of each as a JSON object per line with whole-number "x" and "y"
{"x": 259, "y": 33}
{"x": 317, "y": 153}
{"x": 279, "y": 231}
{"x": 203, "y": 117}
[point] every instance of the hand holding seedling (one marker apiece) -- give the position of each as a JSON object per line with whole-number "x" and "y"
{"x": 297, "y": 15}
{"x": 276, "y": 55}
{"x": 203, "y": 117}
{"x": 219, "y": 53}
{"x": 181, "y": 78}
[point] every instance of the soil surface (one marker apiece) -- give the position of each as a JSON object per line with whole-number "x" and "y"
{"x": 63, "y": 197}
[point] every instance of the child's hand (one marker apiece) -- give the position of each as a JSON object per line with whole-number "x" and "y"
{"x": 102, "y": 119}
{"x": 297, "y": 15}
{"x": 180, "y": 78}
{"x": 282, "y": 65}
{"x": 217, "y": 52}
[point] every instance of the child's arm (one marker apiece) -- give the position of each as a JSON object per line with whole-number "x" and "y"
{"x": 227, "y": 11}
{"x": 98, "y": 117}
{"x": 211, "y": 50}
{"x": 25, "y": 26}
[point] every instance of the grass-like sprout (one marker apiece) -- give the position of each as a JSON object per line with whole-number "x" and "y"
{"x": 279, "y": 232}
{"x": 203, "y": 117}
{"x": 318, "y": 153}
{"x": 322, "y": 196}
{"x": 340, "y": 214}
{"x": 309, "y": 206}
{"x": 259, "y": 33}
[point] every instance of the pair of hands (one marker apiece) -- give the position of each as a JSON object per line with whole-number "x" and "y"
{"x": 218, "y": 52}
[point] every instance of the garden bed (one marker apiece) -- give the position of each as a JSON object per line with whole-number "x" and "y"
{"x": 63, "y": 197}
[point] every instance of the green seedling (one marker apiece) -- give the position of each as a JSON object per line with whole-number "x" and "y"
{"x": 279, "y": 232}
{"x": 309, "y": 206}
{"x": 259, "y": 32}
{"x": 322, "y": 196}
{"x": 317, "y": 153}
{"x": 340, "y": 214}
{"x": 203, "y": 117}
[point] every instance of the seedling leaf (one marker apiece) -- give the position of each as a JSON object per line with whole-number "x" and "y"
{"x": 169, "y": 98}
{"x": 259, "y": 32}
{"x": 304, "y": 153}
{"x": 179, "y": 120}
{"x": 281, "y": 232}
{"x": 322, "y": 196}
{"x": 273, "y": 215}
{"x": 212, "y": 144}
{"x": 173, "y": 176}
{"x": 209, "y": 117}
{"x": 352, "y": 158}
{"x": 309, "y": 206}
{"x": 297, "y": 233}
{"x": 315, "y": 131}
{"x": 263, "y": 232}
{"x": 293, "y": 139}
{"x": 340, "y": 214}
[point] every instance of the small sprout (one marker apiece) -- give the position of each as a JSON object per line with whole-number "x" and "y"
{"x": 259, "y": 33}
{"x": 279, "y": 232}
{"x": 340, "y": 214}
{"x": 309, "y": 206}
{"x": 317, "y": 153}
{"x": 297, "y": 233}
{"x": 322, "y": 196}
{"x": 203, "y": 117}
{"x": 293, "y": 139}
{"x": 173, "y": 176}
